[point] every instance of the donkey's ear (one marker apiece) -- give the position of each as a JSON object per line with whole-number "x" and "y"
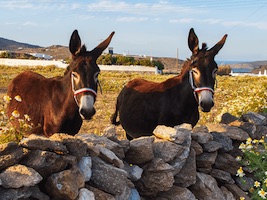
{"x": 217, "y": 47}
{"x": 193, "y": 41}
{"x": 75, "y": 43}
{"x": 97, "y": 51}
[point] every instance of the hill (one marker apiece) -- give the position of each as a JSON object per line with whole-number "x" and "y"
{"x": 11, "y": 45}
{"x": 62, "y": 52}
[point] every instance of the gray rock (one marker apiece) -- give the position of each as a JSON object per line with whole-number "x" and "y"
{"x": 15, "y": 194}
{"x": 45, "y": 162}
{"x": 227, "y": 194}
{"x": 95, "y": 140}
{"x": 227, "y": 118}
{"x": 110, "y": 133}
{"x": 206, "y": 188}
{"x": 206, "y": 160}
{"x": 222, "y": 176}
{"x": 226, "y": 142}
{"x": 236, "y": 191}
{"x": 187, "y": 176}
{"x": 212, "y": 146}
{"x": 126, "y": 194}
{"x": 140, "y": 151}
{"x": 74, "y": 146}
{"x": 85, "y": 165}
{"x": 43, "y": 143}
{"x": 197, "y": 147}
{"x": 182, "y": 155}
{"x": 134, "y": 195}
{"x": 165, "y": 132}
{"x": 260, "y": 131}
{"x": 10, "y": 155}
{"x": 227, "y": 163}
{"x": 254, "y": 118}
{"x": 165, "y": 149}
{"x": 245, "y": 183}
{"x": 19, "y": 176}
{"x": 201, "y": 134}
{"x": 134, "y": 171}
{"x": 232, "y": 132}
{"x": 8, "y": 148}
{"x": 65, "y": 184}
{"x": 85, "y": 194}
{"x": 250, "y": 128}
{"x": 107, "y": 177}
{"x": 157, "y": 177}
{"x": 110, "y": 157}
{"x": 99, "y": 194}
{"x": 177, "y": 193}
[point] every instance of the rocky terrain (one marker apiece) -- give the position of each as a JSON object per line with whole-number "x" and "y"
{"x": 174, "y": 163}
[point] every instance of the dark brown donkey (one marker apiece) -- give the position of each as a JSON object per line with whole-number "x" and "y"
{"x": 59, "y": 104}
{"x": 142, "y": 105}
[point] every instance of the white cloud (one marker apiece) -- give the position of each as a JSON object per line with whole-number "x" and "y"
{"x": 132, "y": 19}
{"x": 258, "y": 25}
{"x": 182, "y": 20}
{"x": 29, "y": 23}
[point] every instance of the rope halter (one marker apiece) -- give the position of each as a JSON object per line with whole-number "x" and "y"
{"x": 197, "y": 89}
{"x": 82, "y": 90}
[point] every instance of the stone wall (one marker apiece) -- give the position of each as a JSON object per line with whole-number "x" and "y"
{"x": 176, "y": 163}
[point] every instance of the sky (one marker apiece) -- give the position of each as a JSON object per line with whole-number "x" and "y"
{"x": 151, "y": 28}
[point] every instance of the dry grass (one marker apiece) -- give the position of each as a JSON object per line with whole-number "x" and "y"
{"x": 236, "y": 95}
{"x": 111, "y": 83}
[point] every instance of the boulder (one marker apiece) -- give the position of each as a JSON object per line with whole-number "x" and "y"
{"x": 18, "y": 176}
{"x": 65, "y": 184}
{"x": 140, "y": 151}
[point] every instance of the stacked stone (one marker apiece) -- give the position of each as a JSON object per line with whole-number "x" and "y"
{"x": 174, "y": 163}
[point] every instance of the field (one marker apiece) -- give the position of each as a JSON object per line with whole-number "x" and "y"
{"x": 236, "y": 95}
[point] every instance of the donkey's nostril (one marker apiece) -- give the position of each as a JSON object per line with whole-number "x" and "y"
{"x": 87, "y": 113}
{"x": 206, "y": 106}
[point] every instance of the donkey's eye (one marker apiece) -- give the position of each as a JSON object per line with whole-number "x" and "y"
{"x": 96, "y": 77}
{"x": 214, "y": 73}
{"x": 195, "y": 71}
{"x": 74, "y": 75}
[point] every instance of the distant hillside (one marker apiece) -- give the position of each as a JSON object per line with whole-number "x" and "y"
{"x": 249, "y": 65}
{"x": 11, "y": 45}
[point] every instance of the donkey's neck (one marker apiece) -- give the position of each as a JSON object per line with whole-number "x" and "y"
{"x": 181, "y": 79}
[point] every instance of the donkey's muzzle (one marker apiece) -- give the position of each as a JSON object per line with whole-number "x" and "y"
{"x": 87, "y": 114}
{"x": 86, "y": 107}
{"x": 206, "y": 100}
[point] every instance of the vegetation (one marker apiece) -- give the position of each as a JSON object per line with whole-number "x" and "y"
{"x": 7, "y": 131}
{"x": 236, "y": 95}
{"x": 109, "y": 59}
{"x": 254, "y": 162}
{"x": 224, "y": 70}
{"x": 7, "y": 54}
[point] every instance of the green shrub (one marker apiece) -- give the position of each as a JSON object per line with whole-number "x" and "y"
{"x": 8, "y": 132}
{"x": 254, "y": 162}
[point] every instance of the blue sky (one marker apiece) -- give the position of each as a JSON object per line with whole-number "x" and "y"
{"x": 156, "y": 28}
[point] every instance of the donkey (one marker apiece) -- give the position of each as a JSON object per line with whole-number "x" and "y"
{"x": 142, "y": 104}
{"x": 59, "y": 104}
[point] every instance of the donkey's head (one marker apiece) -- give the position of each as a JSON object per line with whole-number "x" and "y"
{"x": 202, "y": 74}
{"x": 84, "y": 73}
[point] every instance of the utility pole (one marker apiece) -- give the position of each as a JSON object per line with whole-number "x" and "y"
{"x": 177, "y": 61}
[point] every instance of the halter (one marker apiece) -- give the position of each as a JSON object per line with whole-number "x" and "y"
{"x": 82, "y": 90}
{"x": 197, "y": 89}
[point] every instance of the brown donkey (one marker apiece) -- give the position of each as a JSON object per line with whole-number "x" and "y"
{"x": 59, "y": 104}
{"x": 142, "y": 105}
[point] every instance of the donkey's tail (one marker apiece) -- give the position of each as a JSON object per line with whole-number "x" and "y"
{"x": 115, "y": 115}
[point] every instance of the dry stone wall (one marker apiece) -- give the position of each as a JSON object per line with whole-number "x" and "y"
{"x": 175, "y": 163}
